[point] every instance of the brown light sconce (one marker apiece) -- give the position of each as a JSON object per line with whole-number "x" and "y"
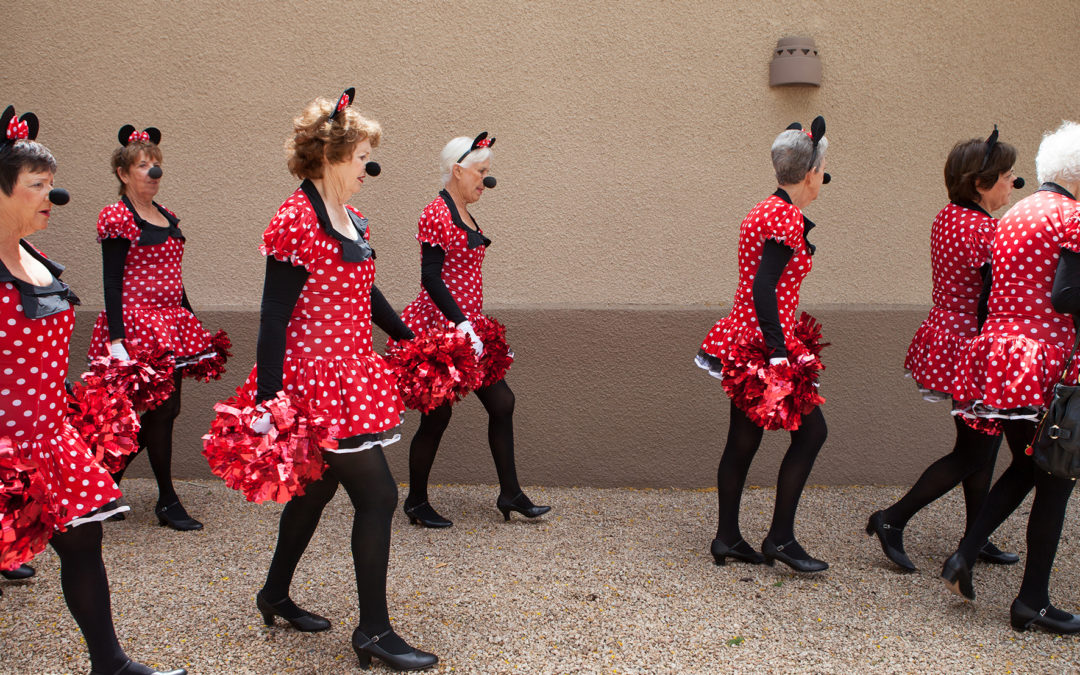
{"x": 795, "y": 61}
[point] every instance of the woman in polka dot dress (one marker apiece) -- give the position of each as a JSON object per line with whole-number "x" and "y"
{"x": 36, "y": 320}
{"x": 452, "y": 249}
{"x": 774, "y": 257}
{"x": 146, "y": 306}
{"x": 315, "y": 344}
{"x": 1012, "y": 367}
{"x": 979, "y": 178}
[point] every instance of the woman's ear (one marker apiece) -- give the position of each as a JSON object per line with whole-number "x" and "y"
{"x": 122, "y": 174}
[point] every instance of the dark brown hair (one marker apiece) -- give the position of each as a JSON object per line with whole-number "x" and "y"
{"x": 965, "y": 170}
{"x": 22, "y": 156}
{"x": 317, "y": 139}
{"x": 125, "y": 157}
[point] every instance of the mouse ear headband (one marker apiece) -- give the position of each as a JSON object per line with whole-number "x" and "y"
{"x": 816, "y": 133}
{"x": 481, "y": 141}
{"x": 128, "y": 134}
{"x": 17, "y": 128}
{"x": 991, "y": 141}
{"x": 344, "y": 101}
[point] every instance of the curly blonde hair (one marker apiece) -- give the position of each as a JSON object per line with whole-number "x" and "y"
{"x": 318, "y": 140}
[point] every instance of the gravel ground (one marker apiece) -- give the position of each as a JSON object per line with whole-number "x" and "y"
{"x": 612, "y": 581}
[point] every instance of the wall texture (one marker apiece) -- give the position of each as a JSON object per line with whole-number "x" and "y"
{"x": 633, "y": 137}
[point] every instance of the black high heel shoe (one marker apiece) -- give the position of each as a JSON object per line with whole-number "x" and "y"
{"x": 995, "y": 556}
{"x": 176, "y": 516}
{"x": 957, "y": 575}
{"x": 520, "y": 504}
{"x": 20, "y": 572}
{"x": 741, "y": 551}
{"x": 1023, "y": 617}
{"x": 300, "y": 619}
{"x": 792, "y": 555}
{"x": 894, "y": 549}
{"x": 367, "y": 647}
{"x": 427, "y": 516}
{"x": 133, "y": 668}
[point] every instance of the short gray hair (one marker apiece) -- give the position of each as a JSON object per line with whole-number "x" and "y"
{"x": 791, "y": 153}
{"x": 1058, "y": 160}
{"x": 456, "y": 148}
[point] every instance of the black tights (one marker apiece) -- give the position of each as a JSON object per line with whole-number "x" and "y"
{"x": 1044, "y": 523}
{"x": 155, "y": 436}
{"x": 371, "y": 488}
{"x": 971, "y": 461}
{"x": 744, "y": 438}
{"x": 86, "y": 591}
{"x": 498, "y": 400}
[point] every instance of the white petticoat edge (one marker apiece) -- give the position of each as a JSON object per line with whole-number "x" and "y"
{"x": 928, "y": 395}
{"x": 701, "y": 362}
{"x": 192, "y": 360}
{"x": 976, "y": 410}
{"x": 382, "y": 443}
{"x": 103, "y": 512}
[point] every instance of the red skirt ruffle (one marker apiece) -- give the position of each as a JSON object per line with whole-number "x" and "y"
{"x": 1001, "y": 373}
{"x": 437, "y": 367}
{"x": 274, "y": 466}
{"x": 211, "y": 364}
{"x": 934, "y": 358}
{"x": 165, "y": 329}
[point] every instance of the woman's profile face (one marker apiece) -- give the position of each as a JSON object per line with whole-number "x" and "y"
{"x": 28, "y": 205}
{"x": 351, "y": 171}
{"x": 470, "y": 179}
{"x": 136, "y": 177}
{"x": 999, "y": 194}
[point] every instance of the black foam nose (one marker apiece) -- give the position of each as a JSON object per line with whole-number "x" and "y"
{"x": 826, "y": 179}
{"x": 489, "y": 181}
{"x": 59, "y": 196}
{"x": 1018, "y": 183}
{"x": 154, "y": 172}
{"x": 372, "y": 168}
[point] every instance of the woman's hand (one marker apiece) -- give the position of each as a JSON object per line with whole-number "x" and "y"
{"x": 777, "y": 360}
{"x": 117, "y": 351}
{"x": 263, "y": 424}
{"x": 477, "y": 344}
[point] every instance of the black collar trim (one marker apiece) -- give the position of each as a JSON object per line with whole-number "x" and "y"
{"x": 807, "y": 223}
{"x": 352, "y": 250}
{"x": 150, "y": 234}
{"x": 1054, "y": 187}
{"x": 971, "y": 206}
{"x": 475, "y": 237}
{"x": 39, "y": 302}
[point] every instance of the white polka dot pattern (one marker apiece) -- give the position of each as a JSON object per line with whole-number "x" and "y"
{"x": 961, "y": 242}
{"x": 1020, "y": 353}
{"x": 33, "y": 365}
{"x": 153, "y": 289}
{"x": 329, "y": 363}
{"x": 774, "y": 219}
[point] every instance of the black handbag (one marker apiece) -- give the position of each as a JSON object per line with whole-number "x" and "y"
{"x": 1056, "y": 447}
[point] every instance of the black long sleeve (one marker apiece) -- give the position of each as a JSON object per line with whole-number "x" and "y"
{"x": 984, "y": 296}
{"x": 185, "y": 303}
{"x": 774, "y": 258}
{"x": 113, "y": 257}
{"x": 384, "y": 316}
{"x": 1065, "y": 297}
{"x": 431, "y": 264}
{"x": 281, "y": 290}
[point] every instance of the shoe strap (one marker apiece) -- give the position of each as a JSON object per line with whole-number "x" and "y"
{"x": 373, "y": 640}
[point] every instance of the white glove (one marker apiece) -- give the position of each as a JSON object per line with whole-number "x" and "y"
{"x": 477, "y": 344}
{"x": 263, "y": 424}
{"x": 117, "y": 351}
{"x": 777, "y": 360}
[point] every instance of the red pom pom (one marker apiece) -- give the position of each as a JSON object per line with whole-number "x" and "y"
{"x": 275, "y": 466}
{"x": 497, "y": 357}
{"x": 776, "y": 397}
{"x": 211, "y": 367}
{"x": 146, "y": 379}
{"x": 435, "y": 368}
{"x": 106, "y": 422}
{"x": 983, "y": 425}
{"x": 27, "y": 516}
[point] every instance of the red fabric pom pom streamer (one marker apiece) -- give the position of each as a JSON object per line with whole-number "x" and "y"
{"x": 27, "y": 517}
{"x": 776, "y": 397}
{"x": 211, "y": 367}
{"x": 497, "y": 357}
{"x": 435, "y": 368}
{"x": 105, "y": 420}
{"x": 146, "y": 379}
{"x": 984, "y": 425}
{"x": 275, "y": 466}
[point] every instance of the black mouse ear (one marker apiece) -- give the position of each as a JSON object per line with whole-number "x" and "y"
{"x": 817, "y": 129}
{"x": 124, "y": 135}
{"x": 993, "y": 137}
{"x": 154, "y": 134}
{"x": 31, "y": 124}
{"x": 794, "y": 125}
{"x": 5, "y": 119}
{"x": 344, "y": 101}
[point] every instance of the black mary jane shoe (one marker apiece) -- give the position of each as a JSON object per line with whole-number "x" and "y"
{"x": 425, "y": 515}
{"x": 1023, "y": 617}
{"x": 133, "y": 668}
{"x": 520, "y": 504}
{"x": 367, "y": 647}
{"x": 957, "y": 575}
{"x": 20, "y": 572}
{"x": 995, "y": 556}
{"x": 176, "y": 516}
{"x": 792, "y": 555}
{"x": 741, "y": 551}
{"x": 300, "y": 619}
{"x": 892, "y": 540}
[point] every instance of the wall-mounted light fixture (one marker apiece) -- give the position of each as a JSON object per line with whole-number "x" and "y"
{"x": 795, "y": 61}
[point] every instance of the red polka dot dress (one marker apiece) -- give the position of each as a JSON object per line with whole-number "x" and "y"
{"x": 329, "y": 362}
{"x": 154, "y": 315}
{"x": 961, "y": 241}
{"x": 1014, "y": 363}
{"x": 35, "y": 330}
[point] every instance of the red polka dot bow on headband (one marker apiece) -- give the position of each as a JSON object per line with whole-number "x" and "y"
{"x": 344, "y": 102}
{"x": 481, "y": 141}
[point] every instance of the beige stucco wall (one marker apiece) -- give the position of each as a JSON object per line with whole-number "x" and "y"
{"x": 633, "y": 137}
